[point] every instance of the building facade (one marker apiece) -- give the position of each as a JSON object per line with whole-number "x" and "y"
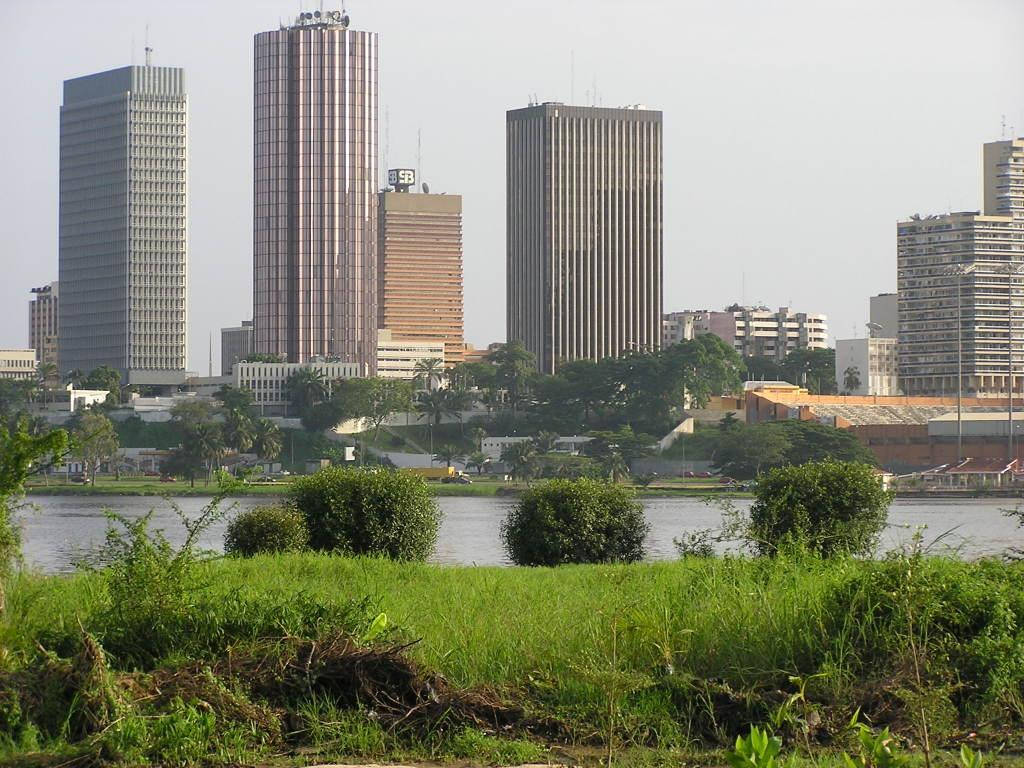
{"x": 235, "y": 345}
{"x": 960, "y": 280}
{"x": 122, "y": 224}
{"x": 19, "y": 364}
{"x": 268, "y": 382}
{"x": 884, "y": 314}
{"x": 315, "y": 191}
{"x": 43, "y": 323}
{"x": 751, "y": 331}
{"x": 419, "y": 276}
{"x": 397, "y": 358}
{"x": 584, "y": 231}
{"x": 872, "y": 366}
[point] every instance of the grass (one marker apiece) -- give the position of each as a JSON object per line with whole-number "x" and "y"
{"x": 675, "y": 658}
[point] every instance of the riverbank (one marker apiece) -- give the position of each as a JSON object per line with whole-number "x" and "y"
{"x": 153, "y": 487}
{"x": 670, "y": 661}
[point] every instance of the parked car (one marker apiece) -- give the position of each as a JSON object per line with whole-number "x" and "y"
{"x": 689, "y": 473}
{"x": 167, "y": 479}
{"x": 457, "y": 479}
{"x": 703, "y": 474}
{"x": 726, "y": 481}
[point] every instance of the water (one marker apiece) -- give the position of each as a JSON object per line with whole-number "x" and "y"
{"x": 60, "y": 529}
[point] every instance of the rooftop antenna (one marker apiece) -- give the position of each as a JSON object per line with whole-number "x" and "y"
{"x": 387, "y": 136}
{"x": 572, "y": 77}
{"x": 133, "y": 49}
{"x": 211, "y": 354}
{"x": 593, "y": 92}
{"x": 149, "y": 53}
{"x": 1002, "y": 133}
{"x": 419, "y": 153}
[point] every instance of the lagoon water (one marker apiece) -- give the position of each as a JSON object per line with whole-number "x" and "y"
{"x": 58, "y": 530}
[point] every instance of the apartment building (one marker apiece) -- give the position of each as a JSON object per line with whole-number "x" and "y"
{"x": 751, "y": 330}
{"x": 42, "y": 322}
{"x": 268, "y": 382}
{"x": 123, "y": 224}
{"x": 584, "y": 231}
{"x": 961, "y": 288}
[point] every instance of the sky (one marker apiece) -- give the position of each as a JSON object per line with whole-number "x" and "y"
{"x": 796, "y": 132}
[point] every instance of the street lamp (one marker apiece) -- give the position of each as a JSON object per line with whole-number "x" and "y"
{"x": 959, "y": 271}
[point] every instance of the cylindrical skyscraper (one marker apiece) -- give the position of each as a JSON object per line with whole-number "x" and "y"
{"x": 315, "y": 194}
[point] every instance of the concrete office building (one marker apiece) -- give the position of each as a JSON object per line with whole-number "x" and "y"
{"x": 235, "y": 345}
{"x": 123, "y": 228}
{"x": 982, "y": 255}
{"x": 397, "y": 358}
{"x": 268, "y": 382}
{"x": 584, "y": 231}
{"x": 315, "y": 191}
{"x": 17, "y": 364}
{"x": 884, "y": 315}
{"x": 873, "y": 363}
{"x": 42, "y": 322}
{"x": 751, "y": 331}
{"x": 419, "y": 275}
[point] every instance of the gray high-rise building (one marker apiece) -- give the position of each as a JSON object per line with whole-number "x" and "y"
{"x": 315, "y": 194}
{"x": 235, "y": 345}
{"x": 123, "y": 228}
{"x": 584, "y": 231}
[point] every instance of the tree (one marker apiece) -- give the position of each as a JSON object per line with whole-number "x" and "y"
{"x": 472, "y": 376}
{"x": 743, "y": 452}
{"x": 514, "y": 367}
{"x": 830, "y": 507}
{"x": 851, "y": 378}
{"x": 238, "y": 431}
{"x": 95, "y": 441}
{"x": 262, "y": 357}
{"x": 478, "y": 460}
{"x": 189, "y": 413}
{"x": 386, "y": 398}
{"x": 104, "y": 378}
{"x": 728, "y": 422}
{"x": 203, "y": 445}
{"x": 479, "y": 434}
{"x": 520, "y": 457}
{"x": 575, "y": 521}
{"x": 434, "y": 405}
{"x": 306, "y": 387}
{"x": 812, "y": 368}
{"x": 266, "y": 439}
{"x": 429, "y": 372}
{"x": 614, "y": 467}
{"x": 235, "y": 400}
{"x": 20, "y": 454}
{"x": 48, "y": 376}
{"x": 813, "y": 441}
{"x": 545, "y": 441}
{"x": 448, "y": 453}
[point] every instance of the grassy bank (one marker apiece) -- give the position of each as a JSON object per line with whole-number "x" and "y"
{"x": 669, "y": 661}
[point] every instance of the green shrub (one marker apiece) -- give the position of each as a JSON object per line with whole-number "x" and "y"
{"x": 829, "y": 507}
{"x": 575, "y": 521}
{"x": 374, "y": 512}
{"x": 266, "y": 529}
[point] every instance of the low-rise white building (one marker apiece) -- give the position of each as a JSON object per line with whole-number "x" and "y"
{"x": 397, "y": 358}
{"x": 17, "y": 364}
{"x": 268, "y": 381}
{"x": 493, "y": 446}
{"x": 872, "y": 364}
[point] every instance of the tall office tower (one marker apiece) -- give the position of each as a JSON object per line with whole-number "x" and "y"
{"x": 42, "y": 322}
{"x": 315, "y": 196}
{"x": 419, "y": 277}
{"x": 584, "y": 231}
{"x": 235, "y": 345}
{"x": 1004, "y": 178}
{"x": 123, "y": 229}
{"x": 966, "y": 269}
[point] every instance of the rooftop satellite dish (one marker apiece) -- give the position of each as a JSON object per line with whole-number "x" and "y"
{"x": 344, "y": 21}
{"x": 316, "y": 14}
{"x": 426, "y": 188}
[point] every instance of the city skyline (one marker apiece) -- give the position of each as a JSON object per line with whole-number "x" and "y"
{"x": 888, "y": 162}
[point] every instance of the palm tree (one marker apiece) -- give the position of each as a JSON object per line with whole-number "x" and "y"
{"x": 545, "y": 441}
{"x": 207, "y": 443}
{"x": 520, "y": 457}
{"x": 851, "y": 378}
{"x": 74, "y": 377}
{"x": 615, "y": 466}
{"x": 306, "y": 387}
{"x": 238, "y": 431}
{"x": 515, "y": 365}
{"x": 429, "y": 371}
{"x": 47, "y": 374}
{"x": 478, "y": 437}
{"x": 434, "y": 405}
{"x": 448, "y": 453}
{"x": 266, "y": 439}
{"x": 479, "y": 460}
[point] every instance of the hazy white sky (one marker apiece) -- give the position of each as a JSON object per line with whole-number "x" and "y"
{"x": 797, "y": 132}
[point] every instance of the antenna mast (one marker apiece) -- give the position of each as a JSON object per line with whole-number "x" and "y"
{"x": 419, "y": 154}
{"x": 149, "y": 51}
